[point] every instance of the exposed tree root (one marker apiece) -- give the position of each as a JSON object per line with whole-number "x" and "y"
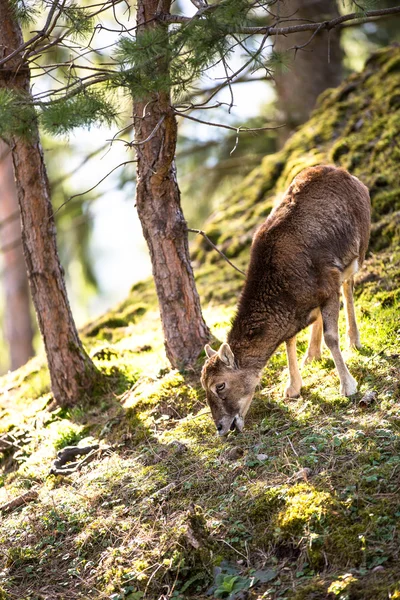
{"x": 63, "y": 465}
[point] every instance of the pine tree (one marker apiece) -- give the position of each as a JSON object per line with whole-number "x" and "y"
{"x": 71, "y": 370}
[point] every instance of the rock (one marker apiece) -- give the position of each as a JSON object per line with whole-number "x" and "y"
{"x": 261, "y": 456}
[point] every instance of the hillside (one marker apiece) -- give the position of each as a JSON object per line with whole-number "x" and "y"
{"x": 304, "y": 505}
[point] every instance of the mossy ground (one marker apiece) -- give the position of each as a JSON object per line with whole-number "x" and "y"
{"x": 170, "y": 510}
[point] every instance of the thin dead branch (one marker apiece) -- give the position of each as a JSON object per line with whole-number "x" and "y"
{"x": 19, "y": 501}
{"x": 205, "y": 236}
{"x": 237, "y": 129}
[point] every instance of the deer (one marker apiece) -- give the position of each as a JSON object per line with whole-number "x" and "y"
{"x": 310, "y": 246}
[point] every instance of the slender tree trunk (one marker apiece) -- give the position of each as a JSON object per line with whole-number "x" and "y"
{"x": 310, "y": 70}
{"x": 160, "y": 213}
{"x": 17, "y": 313}
{"x": 71, "y": 370}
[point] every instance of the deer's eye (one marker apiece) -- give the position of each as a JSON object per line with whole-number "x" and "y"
{"x": 219, "y": 387}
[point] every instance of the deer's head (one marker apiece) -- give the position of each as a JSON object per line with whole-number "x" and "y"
{"x": 228, "y": 387}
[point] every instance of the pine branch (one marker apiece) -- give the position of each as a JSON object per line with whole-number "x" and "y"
{"x": 270, "y": 30}
{"x": 40, "y": 34}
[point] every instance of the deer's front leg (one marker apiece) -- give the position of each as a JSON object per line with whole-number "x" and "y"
{"x": 295, "y": 382}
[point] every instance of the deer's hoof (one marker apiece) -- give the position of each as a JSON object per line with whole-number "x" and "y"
{"x": 348, "y": 387}
{"x": 292, "y": 391}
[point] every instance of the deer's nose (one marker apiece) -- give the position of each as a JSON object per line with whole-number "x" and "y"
{"x": 219, "y": 427}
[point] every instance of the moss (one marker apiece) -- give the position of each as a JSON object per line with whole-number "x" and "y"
{"x": 305, "y": 506}
{"x": 385, "y": 202}
{"x": 106, "y": 322}
{"x": 67, "y": 435}
{"x": 339, "y": 149}
{"x": 392, "y": 66}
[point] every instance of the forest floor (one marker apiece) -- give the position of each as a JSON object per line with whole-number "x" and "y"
{"x": 304, "y": 504}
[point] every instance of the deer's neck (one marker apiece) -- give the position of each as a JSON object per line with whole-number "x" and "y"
{"x": 254, "y": 337}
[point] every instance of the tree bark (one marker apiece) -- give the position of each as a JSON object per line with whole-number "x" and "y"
{"x": 311, "y": 70}
{"x": 159, "y": 209}
{"x": 18, "y": 328}
{"x": 71, "y": 370}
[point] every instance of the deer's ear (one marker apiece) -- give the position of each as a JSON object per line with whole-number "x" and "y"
{"x": 226, "y": 355}
{"x": 209, "y": 351}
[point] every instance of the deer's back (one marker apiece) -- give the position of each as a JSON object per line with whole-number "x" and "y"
{"x": 319, "y": 228}
{"x": 324, "y": 218}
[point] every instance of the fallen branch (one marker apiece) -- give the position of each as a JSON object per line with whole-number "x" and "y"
{"x": 368, "y": 399}
{"x": 6, "y": 444}
{"x": 64, "y": 456}
{"x": 19, "y": 501}
{"x": 205, "y": 236}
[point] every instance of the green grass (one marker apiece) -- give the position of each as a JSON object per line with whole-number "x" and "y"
{"x": 169, "y": 510}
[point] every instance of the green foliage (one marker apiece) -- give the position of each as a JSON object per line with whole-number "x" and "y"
{"x": 25, "y": 11}
{"x": 67, "y": 435}
{"x": 278, "y": 62}
{"x": 362, "y": 6}
{"x": 159, "y": 60}
{"x": 17, "y": 115}
{"x": 77, "y": 20}
{"x": 83, "y": 110}
{"x": 230, "y": 586}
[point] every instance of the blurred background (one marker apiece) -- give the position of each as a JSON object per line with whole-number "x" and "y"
{"x": 99, "y": 236}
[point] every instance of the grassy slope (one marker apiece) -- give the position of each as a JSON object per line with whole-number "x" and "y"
{"x": 170, "y": 509}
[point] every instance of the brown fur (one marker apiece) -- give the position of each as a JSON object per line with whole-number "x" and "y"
{"x": 299, "y": 259}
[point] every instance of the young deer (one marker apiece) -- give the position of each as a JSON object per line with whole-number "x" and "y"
{"x": 311, "y": 244}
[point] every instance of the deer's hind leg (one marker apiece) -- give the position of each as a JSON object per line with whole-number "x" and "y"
{"x": 330, "y": 316}
{"x": 295, "y": 382}
{"x": 353, "y": 335}
{"x": 314, "y": 349}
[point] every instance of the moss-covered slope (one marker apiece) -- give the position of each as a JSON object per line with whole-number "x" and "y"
{"x": 305, "y": 504}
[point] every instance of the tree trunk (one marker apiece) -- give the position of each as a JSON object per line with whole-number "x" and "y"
{"x": 17, "y": 313}
{"x": 310, "y": 70}
{"x": 71, "y": 370}
{"x": 159, "y": 208}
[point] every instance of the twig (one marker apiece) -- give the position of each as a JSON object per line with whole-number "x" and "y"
{"x": 140, "y": 143}
{"x": 237, "y": 129}
{"x": 127, "y": 162}
{"x": 205, "y": 236}
{"x": 292, "y": 447}
{"x": 19, "y": 501}
{"x": 6, "y": 444}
